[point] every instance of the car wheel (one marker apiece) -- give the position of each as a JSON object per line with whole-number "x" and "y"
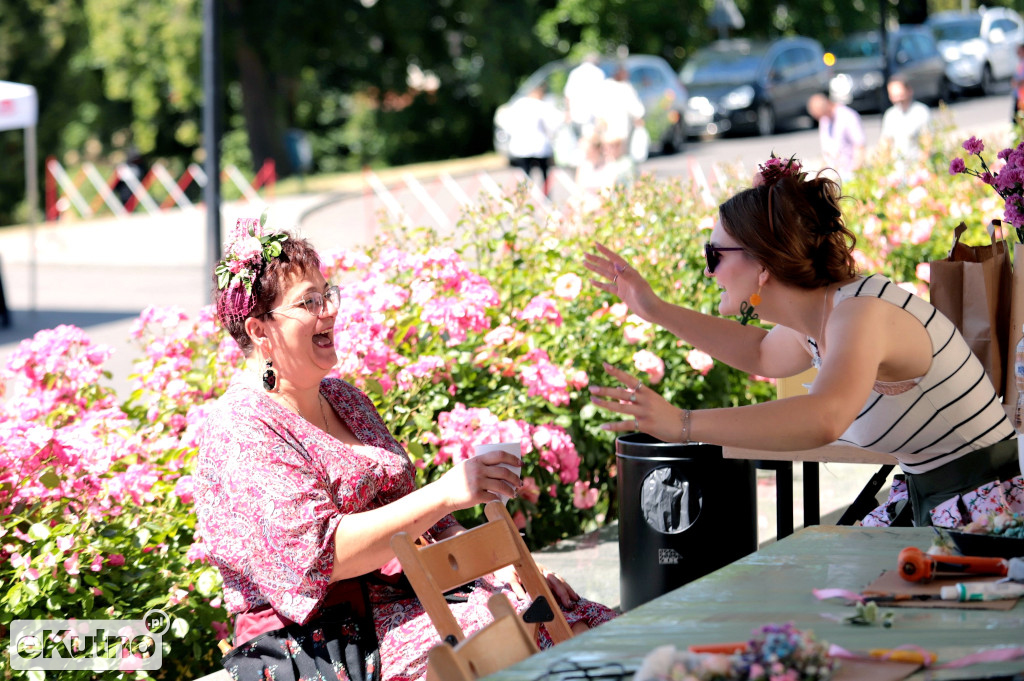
{"x": 988, "y": 83}
{"x": 765, "y": 120}
{"x": 944, "y": 91}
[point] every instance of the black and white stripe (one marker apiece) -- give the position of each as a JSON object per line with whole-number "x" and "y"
{"x": 952, "y": 410}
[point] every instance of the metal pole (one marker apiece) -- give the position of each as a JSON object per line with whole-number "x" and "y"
{"x": 32, "y": 190}
{"x": 883, "y": 41}
{"x": 211, "y": 130}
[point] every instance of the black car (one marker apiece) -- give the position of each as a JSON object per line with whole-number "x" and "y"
{"x": 744, "y": 85}
{"x": 859, "y": 79}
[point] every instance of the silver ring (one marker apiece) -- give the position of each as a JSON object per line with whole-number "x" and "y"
{"x": 639, "y": 384}
{"x": 615, "y": 279}
{"x": 632, "y": 397}
{"x": 636, "y": 424}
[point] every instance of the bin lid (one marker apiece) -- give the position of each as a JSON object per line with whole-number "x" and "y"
{"x": 644, "y": 446}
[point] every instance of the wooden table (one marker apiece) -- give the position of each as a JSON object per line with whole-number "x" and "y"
{"x": 774, "y": 585}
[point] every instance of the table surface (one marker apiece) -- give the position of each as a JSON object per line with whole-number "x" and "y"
{"x": 774, "y": 585}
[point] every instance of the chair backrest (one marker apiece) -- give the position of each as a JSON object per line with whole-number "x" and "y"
{"x": 501, "y": 643}
{"x": 433, "y": 569}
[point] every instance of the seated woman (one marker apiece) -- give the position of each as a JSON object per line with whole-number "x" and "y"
{"x": 894, "y": 374}
{"x": 300, "y": 487}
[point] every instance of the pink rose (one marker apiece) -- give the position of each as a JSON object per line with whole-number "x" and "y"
{"x": 700, "y": 361}
{"x": 649, "y": 363}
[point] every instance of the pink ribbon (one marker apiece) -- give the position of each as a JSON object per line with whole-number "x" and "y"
{"x": 992, "y": 655}
{"x": 825, "y": 594}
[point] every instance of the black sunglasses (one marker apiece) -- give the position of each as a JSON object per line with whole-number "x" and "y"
{"x": 713, "y": 254}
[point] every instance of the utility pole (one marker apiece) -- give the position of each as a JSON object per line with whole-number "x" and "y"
{"x": 883, "y": 40}
{"x": 212, "y": 130}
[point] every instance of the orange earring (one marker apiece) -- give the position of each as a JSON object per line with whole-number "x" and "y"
{"x": 747, "y": 313}
{"x": 755, "y": 298}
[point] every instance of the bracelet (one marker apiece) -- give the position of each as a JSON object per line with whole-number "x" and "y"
{"x": 686, "y": 427}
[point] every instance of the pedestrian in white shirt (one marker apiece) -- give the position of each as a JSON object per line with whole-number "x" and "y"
{"x": 905, "y": 123}
{"x": 531, "y": 123}
{"x": 581, "y": 94}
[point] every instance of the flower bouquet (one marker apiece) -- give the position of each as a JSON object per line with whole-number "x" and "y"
{"x": 775, "y": 652}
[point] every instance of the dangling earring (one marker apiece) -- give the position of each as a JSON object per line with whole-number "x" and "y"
{"x": 270, "y": 377}
{"x": 747, "y": 309}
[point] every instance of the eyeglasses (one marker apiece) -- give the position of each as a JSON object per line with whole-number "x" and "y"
{"x": 315, "y": 302}
{"x": 713, "y": 254}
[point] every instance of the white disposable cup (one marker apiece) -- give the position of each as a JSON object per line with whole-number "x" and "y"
{"x": 514, "y": 448}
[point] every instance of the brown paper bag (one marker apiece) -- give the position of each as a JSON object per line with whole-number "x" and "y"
{"x": 1016, "y": 321}
{"x": 972, "y": 287}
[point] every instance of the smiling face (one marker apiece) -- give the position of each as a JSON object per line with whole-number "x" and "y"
{"x": 736, "y": 274}
{"x": 300, "y": 344}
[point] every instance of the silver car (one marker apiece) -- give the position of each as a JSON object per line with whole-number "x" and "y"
{"x": 980, "y": 48}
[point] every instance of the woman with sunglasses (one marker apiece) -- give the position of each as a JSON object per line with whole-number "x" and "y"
{"x": 300, "y": 487}
{"x": 894, "y": 374}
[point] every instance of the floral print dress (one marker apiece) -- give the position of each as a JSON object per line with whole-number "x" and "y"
{"x": 271, "y": 489}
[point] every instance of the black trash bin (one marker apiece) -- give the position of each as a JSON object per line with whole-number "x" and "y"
{"x": 684, "y": 511}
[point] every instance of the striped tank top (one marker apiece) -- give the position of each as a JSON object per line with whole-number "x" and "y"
{"x": 950, "y": 411}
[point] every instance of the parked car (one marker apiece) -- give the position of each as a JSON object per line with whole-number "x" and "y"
{"x": 738, "y": 85}
{"x": 657, "y": 85}
{"x": 980, "y": 48}
{"x": 859, "y": 79}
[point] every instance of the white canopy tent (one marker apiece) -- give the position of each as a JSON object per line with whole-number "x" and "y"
{"x": 19, "y": 109}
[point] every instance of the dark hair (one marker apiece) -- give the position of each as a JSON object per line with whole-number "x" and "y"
{"x": 805, "y": 243}
{"x": 297, "y": 257}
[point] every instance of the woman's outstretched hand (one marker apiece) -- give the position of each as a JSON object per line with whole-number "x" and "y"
{"x": 480, "y": 479}
{"x": 618, "y": 278}
{"x": 648, "y": 411}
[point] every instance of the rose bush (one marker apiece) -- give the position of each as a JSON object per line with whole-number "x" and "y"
{"x": 493, "y": 337}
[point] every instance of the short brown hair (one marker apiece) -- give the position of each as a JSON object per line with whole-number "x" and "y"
{"x": 297, "y": 257}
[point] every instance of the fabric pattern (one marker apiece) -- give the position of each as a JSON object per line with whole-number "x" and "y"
{"x": 270, "y": 491}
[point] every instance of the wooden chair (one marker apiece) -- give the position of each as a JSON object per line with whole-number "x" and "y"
{"x": 435, "y": 568}
{"x": 501, "y": 643}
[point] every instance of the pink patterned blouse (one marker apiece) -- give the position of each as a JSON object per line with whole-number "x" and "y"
{"x": 271, "y": 489}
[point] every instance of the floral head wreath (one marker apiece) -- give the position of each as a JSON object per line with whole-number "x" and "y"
{"x": 248, "y": 250}
{"x": 776, "y": 168}
{"x": 773, "y": 170}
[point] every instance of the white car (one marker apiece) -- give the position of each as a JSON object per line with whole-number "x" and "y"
{"x": 980, "y": 48}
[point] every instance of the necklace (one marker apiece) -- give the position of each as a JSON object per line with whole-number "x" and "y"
{"x": 323, "y": 412}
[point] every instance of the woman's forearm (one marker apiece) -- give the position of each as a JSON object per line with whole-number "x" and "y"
{"x": 792, "y": 424}
{"x": 362, "y": 541}
{"x": 724, "y": 339}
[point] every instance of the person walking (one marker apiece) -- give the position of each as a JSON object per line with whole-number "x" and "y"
{"x": 905, "y": 123}
{"x": 1017, "y": 86}
{"x": 841, "y": 134}
{"x": 532, "y": 122}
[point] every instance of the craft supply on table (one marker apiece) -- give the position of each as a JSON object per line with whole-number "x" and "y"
{"x": 914, "y": 565}
{"x": 982, "y": 591}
